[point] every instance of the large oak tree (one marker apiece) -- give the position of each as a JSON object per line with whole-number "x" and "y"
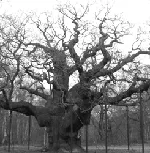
{"x": 53, "y": 52}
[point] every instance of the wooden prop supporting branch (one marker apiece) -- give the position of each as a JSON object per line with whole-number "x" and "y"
{"x": 128, "y": 135}
{"x": 71, "y": 132}
{"x": 86, "y": 129}
{"x": 141, "y": 123}
{"x": 29, "y": 131}
{"x": 45, "y": 137}
{"x": 29, "y": 126}
{"x": 9, "y": 136}
{"x": 106, "y": 144}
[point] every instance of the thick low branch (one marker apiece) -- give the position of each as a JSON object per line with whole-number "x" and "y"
{"x": 21, "y": 107}
{"x": 43, "y": 115}
{"x": 115, "y": 100}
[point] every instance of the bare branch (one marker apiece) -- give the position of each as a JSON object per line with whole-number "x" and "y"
{"x": 100, "y": 46}
{"x": 49, "y": 50}
{"x": 30, "y": 73}
{"x": 103, "y": 72}
{"x": 35, "y": 92}
{"x": 44, "y": 34}
{"x": 143, "y": 87}
{"x": 72, "y": 44}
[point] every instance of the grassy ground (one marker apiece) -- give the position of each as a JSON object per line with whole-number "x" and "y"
{"x": 22, "y": 149}
{"x": 35, "y": 151}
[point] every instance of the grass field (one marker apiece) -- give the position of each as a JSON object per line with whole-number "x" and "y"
{"x": 24, "y": 149}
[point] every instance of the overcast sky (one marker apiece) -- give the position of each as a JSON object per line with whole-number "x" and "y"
{"x": 136, "y": 11}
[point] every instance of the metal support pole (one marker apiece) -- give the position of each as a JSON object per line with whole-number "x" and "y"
{"x": 106, "y": 144}
{"x": 29, "y": 131}
{"x": 141, "y": 123}
{"x": 86, "y": 129}
{"x": 128, "y": 135}
{"x": 9, "y": 136}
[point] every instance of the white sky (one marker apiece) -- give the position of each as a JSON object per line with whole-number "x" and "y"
{"x": 136, "y": 11}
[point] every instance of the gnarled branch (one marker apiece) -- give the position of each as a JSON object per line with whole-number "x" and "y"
{"x": 35, "y": 92}
{"x": 99, "y": 71}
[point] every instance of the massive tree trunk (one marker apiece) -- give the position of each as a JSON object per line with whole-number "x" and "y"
{"x": 63, "y": 129}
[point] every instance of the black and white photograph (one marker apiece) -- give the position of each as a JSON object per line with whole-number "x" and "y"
{"x": 75, "y": 76}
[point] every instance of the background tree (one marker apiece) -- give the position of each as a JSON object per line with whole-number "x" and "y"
{"x": 52, "y": 52}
